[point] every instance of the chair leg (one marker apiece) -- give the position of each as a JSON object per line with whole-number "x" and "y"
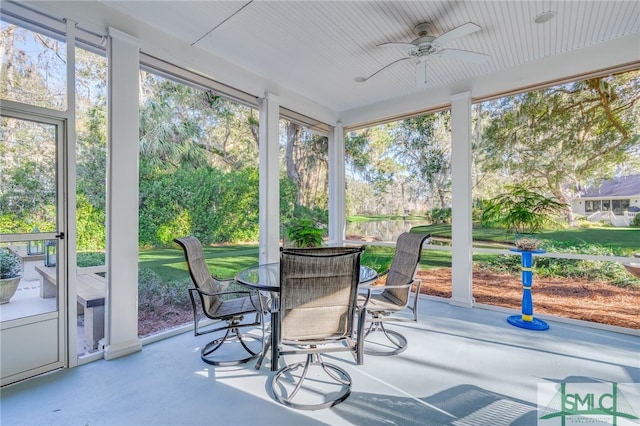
{"x": 213, "y": 345}
{"x": 242, "y": 339}
{"x": 208, "y": 355}
{"x": 266, "y": 339}
{"x": 414, "y": 308}
{"x": 398, "y": 341}
{"x": 265, "y": 349}
{"x": 307, "y": 389}
{"x": 360, "y": 337}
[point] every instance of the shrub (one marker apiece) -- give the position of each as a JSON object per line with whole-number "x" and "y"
{"x": 584, "y": 223}
{"x": 148, "y": 288}
{"x": 316, "y": 215}
{"x": 153, "y": 292}
{"x": 214, "y": 205}
{"x": 10, "y": 264}
{"x": 440, "y": 215}
{"x": 90, "y": 258}
{"x": 377, "y": 257}
{"x": 612, "y": 272}
{"x": 476, "y": 217}
{"x": 303, "y": 234}
{"x": 176, "y": 293}
{"x": 636, "y": 221}
{"x": 522, "y": 209}
{"x": 90, "y": 225}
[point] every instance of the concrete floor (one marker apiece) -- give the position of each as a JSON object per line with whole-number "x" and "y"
{"x": 462, "y": 367}
{"x": 26, "y": 302}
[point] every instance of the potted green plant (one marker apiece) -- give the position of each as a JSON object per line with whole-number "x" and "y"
{"x": 303, "y": 234}
{"x": 10, "y": 268}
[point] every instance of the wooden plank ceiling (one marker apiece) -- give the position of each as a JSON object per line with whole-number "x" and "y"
{"x": 317, "y": 48}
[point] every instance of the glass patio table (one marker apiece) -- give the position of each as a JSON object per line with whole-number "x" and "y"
{"x": 267, "y": 278}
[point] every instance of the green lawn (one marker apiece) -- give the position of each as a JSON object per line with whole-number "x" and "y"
{"x": 169, "y": 264}
{"x": 225, "y": 261}
{"x": 624, "y": 241}
{"x": 604, "y": 241}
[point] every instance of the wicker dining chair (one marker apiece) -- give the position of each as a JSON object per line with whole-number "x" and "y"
{"x": 384, "y": 302}
{"x": 318, "y": 296}
{"x": 211, "y": 299}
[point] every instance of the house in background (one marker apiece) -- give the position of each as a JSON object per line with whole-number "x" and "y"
{"x": 614, "y": 201}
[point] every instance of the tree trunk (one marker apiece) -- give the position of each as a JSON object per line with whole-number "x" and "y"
{"x": 7, "y": 47}
{"x": 293, "y": 134}
{"x": 564, "y": 199}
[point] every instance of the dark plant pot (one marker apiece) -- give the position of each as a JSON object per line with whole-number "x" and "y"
{"x": 8, "y": 287}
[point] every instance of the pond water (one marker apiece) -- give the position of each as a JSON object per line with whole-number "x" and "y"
{"x": 382, "y": 230}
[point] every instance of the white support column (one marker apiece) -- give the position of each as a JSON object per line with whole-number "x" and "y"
{"x": 461, "y": 224}
{"x": 269, "y": 214}
{"x": 121, "y": 317}
{"x": 337, "y": 191}
{"x": 70, "y": 197}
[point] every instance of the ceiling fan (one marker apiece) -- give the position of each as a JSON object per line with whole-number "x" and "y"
{"x": 426, "y": 46}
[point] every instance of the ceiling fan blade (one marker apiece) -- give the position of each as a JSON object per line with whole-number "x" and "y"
{"x": 360, "y": 79}
{"x": 396, "y": 43}
{"x": 464, "y": 55}
{"x": 421, "y": 73}
{"x": 456, "y": 33}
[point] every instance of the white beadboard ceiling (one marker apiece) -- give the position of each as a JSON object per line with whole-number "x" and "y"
{"x": 316, "y": 48}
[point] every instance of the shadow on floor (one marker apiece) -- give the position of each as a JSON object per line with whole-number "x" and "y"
{"x": 459, "y": 405}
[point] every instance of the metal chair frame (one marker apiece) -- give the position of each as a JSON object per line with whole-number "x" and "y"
{"x": 230, "y": 312}
{"x": 405, "y": 265}
{"x": 313, "y": 346}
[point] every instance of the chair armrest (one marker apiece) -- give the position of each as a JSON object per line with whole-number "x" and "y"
{"x": 263, "y": 302}
{"x": 374, "y": 283}
{"x": 205, "y": 293}
{"x": 223, "y": 280}
{"x": 372, "y": 288}
{"x": 223, "y": 283}
{"x": 418, "y": 283}
{"x": 382, "y": 287}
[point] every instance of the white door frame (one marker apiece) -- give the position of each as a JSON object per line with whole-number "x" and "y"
{"x": 37, "y": 344}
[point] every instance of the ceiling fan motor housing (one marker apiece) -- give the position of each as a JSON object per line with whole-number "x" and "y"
{"x": 423, "y": 29}
{"x": 425, "y": 48}
{"x": 424, "y": 44}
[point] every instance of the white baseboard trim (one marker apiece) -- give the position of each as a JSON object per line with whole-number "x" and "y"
{"x": 116, "y": 351}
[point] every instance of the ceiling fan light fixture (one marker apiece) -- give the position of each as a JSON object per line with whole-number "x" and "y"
{"x": 545, "y": 17}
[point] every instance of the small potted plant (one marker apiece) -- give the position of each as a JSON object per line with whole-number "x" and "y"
{"x": 527, "y": 243}
{"x": 10, "y": 268}
{"x": 304, "y": 234}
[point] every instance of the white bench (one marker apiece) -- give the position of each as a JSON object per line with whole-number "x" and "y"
{"x": 91, "y": 290}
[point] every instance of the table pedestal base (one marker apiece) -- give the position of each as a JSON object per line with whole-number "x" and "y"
{"x": 534, "y": 324}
